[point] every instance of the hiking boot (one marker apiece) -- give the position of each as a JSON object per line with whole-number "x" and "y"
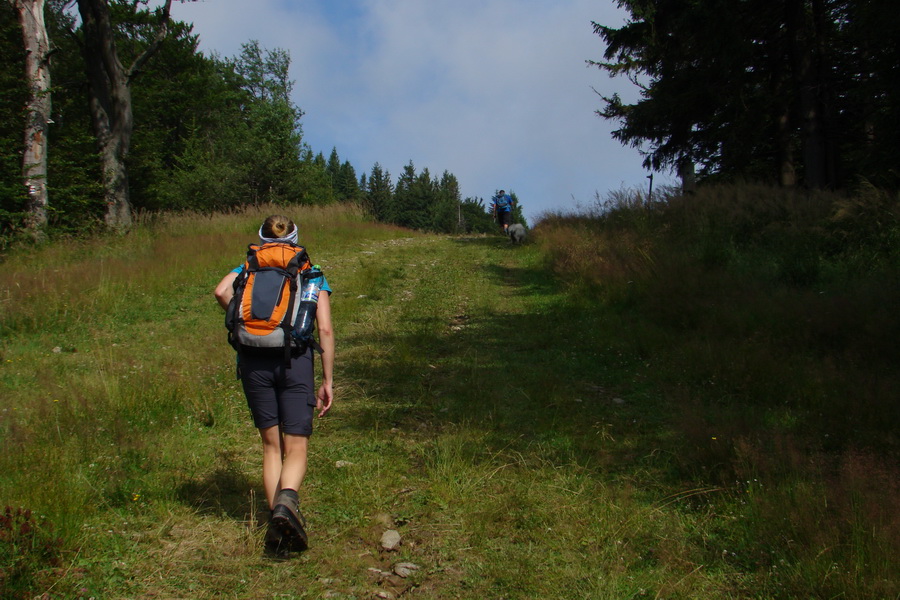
{"x": 288, "y": 521}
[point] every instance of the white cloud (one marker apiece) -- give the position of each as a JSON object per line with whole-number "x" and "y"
{"x": 495, "y": 91}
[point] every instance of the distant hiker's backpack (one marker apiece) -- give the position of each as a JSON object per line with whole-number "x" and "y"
{"x": 262, "y": 312}
{"x": 502, "y": 202}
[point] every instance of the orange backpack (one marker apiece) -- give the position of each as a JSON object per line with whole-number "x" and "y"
{"x": 262, "y": 312}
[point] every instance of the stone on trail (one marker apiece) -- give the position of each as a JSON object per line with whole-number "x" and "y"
{"x": 390, "y": 540}
{"x": 405, "y": 569}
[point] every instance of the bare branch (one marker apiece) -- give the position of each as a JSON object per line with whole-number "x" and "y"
{"x": 161, "y": 34}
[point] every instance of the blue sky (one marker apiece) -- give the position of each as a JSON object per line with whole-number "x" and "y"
{"x": 495, "y": 91}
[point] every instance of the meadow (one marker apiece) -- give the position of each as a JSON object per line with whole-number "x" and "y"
{"x": 683, "y": 399}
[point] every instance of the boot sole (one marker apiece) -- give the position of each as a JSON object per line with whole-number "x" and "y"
{"x": 274, "y": 542}
{"x": 292, "y": 532}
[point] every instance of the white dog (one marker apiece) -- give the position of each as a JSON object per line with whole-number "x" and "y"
{"x": 516, "y": 233}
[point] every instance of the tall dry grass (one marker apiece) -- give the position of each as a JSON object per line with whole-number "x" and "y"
{"x": 75, "y": 282}
{"x": 113, "y": 355}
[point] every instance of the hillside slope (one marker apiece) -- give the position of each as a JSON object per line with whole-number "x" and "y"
{"x": 493, "y": 421}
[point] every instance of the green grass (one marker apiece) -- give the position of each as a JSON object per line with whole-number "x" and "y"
{"x": 526, "y": 440}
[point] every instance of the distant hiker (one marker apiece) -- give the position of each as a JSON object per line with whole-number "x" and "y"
{"x": 502, "y": 207}
{"x": 275, "y": 364}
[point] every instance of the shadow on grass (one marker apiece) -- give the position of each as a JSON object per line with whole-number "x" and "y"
{"x": 576, "y": 383}
{"x": 498, "y": 242}
{"x": 522, "y": 281}
{"x": 544, "y": 381}
{"x": 221, "y": 492}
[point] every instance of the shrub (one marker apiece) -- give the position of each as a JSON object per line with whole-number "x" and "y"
{"x": 29, "y": 552}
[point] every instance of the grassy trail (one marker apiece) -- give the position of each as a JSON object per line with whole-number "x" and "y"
{"x": 490, "y": 419}
{"x": 477, "y": 418}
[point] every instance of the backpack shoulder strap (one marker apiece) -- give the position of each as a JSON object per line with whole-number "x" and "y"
{"x": 302, "y": 257}
{"x": 252, "y": 263}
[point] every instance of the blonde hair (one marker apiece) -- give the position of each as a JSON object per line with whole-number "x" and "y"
{"x": 277, "y": 226}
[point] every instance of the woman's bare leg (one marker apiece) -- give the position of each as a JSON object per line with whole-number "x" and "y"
{"x": 293, "y": 468}
{"x": 272, "y": 457}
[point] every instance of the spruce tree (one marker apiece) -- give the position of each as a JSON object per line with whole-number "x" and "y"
{"x": 333, "y": 168}
{"x": 446, "y": 214}
{"x": 379, "y": 195}
{"x": 347, "y": 184}
{"x": 788, "y": 90}
{"x": 403, "y": 206}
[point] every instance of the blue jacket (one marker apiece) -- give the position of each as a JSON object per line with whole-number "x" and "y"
{"x": 503, "y": 203}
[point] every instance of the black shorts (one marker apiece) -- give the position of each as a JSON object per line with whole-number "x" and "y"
{"x": 278, "y": 395}
{"x": 505, "y": 218}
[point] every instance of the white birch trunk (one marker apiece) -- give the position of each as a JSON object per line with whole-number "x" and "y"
{"x": 688, "y": 175}
{"x": 37, "y": 73}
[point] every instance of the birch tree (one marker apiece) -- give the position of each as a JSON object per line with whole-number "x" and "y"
{"x": 37, "y": 110}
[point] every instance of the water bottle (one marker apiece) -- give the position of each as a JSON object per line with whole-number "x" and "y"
{"x": 311, "y": 281}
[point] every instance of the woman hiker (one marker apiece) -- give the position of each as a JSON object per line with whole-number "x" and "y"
{"x": 281, "y": 396}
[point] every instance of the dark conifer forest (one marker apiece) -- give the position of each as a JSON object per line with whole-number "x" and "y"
{"x": 789, "y": 92}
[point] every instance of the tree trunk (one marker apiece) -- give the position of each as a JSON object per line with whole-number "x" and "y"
{"x": 826, "y": 95}
{"x": 687, "y": 174}
{"x": 810, "y": 84}
{"x": 787, "y": 176}
{"x": 37, "y": 73}
{"x": 110, "y": 103}
{"x": 782, "y": 64}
